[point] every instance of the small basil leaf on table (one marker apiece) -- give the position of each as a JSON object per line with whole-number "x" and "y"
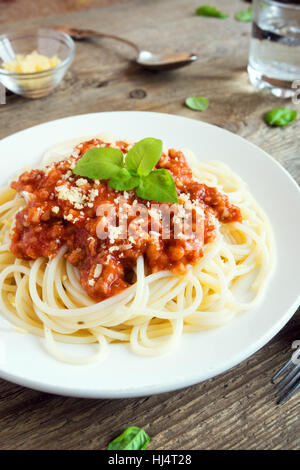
{"x": 197, "y": 103}
{"x": 280, "y": 116}
{"x": 133, "y": 438}
{"x": 244, "y": 15}
{"x": 207, "y": 10}
{"x": 99, "y": 163}
{"x": 157, "y": 186}
{"x": 124, "y": 181}
{"x": 144, "y": 155}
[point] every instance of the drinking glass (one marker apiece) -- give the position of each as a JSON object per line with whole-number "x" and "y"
{"x": 274, "y": 58}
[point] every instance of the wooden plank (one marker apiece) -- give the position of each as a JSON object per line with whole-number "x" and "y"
{"x": 13, "y": 10}
{"x": 235, "y": 410}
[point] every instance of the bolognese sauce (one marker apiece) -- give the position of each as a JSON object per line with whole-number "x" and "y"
{"x": 63, "y": 209}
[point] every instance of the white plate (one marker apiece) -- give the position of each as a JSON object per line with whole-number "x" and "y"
{"x": 200, "y": 356}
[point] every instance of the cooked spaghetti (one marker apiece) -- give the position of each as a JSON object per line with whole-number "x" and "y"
{"x": 60, "y": 280}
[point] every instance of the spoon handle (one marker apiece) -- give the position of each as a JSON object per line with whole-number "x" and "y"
{"x": 117, "y": 38}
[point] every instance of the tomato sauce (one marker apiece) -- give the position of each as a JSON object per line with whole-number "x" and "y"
{"x": 62, "y": 207}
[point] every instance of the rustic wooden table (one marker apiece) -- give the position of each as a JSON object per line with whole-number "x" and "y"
{"x": 237, "y": 409}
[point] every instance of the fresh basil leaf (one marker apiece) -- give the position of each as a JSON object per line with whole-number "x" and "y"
{"x": 244, "y": 15}
{"x": 124, "y": 181}
{"x": 100, "y": 163}
{"x": 133, "y": 438}
{"x": 197, "y": 103}
{"x": 280, "y": 116}
{"x": 207, "y": 10}
{"x": 157, "y": 186}
{"x": 144, "y": 155}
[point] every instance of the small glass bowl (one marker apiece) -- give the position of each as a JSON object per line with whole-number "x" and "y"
{"x": 45, "y": 41}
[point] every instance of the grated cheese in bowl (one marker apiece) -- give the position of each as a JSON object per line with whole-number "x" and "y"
{"x": 37, "y": 63}
{"x": 30, "y": 63}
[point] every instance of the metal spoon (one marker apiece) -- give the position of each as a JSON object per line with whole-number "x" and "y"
{"x": 146, "y": 59}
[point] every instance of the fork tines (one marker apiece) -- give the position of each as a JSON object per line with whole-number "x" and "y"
{"x": 290, "y": 381}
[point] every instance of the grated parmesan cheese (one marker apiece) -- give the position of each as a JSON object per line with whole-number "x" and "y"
{"x": 81, "y": 182}
{"x": 72, "y": 195}
{"x": 30, "y": 63}
{"x": 98, "y": 270}
{"x": 113, "y": 233}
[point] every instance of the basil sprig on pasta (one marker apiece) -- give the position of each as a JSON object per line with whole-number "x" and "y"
{"x": 133, "y": 438}
{"x": 106, "y": 163}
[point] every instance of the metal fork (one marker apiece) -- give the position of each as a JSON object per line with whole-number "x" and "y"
{"x": 290, "y": 382}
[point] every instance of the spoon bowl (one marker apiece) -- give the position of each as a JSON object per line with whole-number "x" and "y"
{"x": 170, "y": 61}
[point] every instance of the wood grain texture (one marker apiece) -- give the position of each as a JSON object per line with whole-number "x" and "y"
{"x": 235, "y": 410}
{"x": 13, "y": 10}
